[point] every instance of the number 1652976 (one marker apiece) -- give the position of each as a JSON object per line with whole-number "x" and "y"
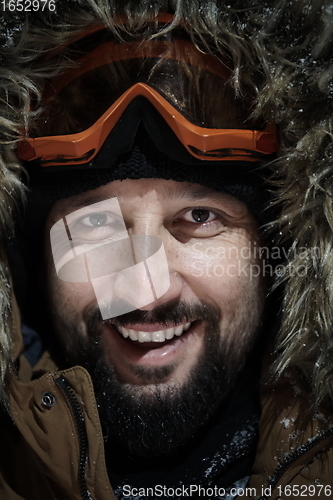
{"x": 28, "y": 5}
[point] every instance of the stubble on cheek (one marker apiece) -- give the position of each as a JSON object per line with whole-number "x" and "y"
{"x": 242, "y": 310}
{"x": 67, "y": 302}
{"x": 242, "y": 327}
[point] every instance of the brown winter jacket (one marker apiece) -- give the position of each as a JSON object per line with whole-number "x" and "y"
{"x": 43, "y": 454}
{"x": 56, "y": 426}
{"x": 295, "y": 451}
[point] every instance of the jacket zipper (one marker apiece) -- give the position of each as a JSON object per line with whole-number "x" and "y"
{"x": 288, "y": 461}
{"x": 81, "y": 432}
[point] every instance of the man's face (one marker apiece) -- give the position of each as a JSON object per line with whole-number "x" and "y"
{"x": 214, "y": 304}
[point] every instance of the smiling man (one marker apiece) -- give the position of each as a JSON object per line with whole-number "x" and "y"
{"x": 145, "y": 184}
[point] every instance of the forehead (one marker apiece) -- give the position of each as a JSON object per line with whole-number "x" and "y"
{"x": 152, "y": 191}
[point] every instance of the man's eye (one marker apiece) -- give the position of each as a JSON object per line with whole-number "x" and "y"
{"x": 198, "y": 222}
{"x": 97, "y": 226}
{"x": 95, "y": 220}
{"x": 200, "y": 215}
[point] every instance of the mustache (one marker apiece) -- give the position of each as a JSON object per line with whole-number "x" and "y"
{"x": 174, "y": 312}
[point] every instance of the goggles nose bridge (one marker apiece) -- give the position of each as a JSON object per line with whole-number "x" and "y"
{"x": 142, "y": 113}
{"x": 140, "y": 123}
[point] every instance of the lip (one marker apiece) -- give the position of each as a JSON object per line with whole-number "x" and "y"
{"x": 125, "y": 353}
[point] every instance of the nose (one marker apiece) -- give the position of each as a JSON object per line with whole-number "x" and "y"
{"x": 173, "y": 292}
{"x": 147, "y": 279}
{"x": 154, "y": 227}
{"x": 142, "y": 280}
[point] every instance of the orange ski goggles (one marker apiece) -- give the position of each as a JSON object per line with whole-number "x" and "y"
{"x": 189, "y": 90}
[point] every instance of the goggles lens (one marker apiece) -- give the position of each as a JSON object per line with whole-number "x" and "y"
{"x": 190, "y": 89}
{"x": 202, "y": 97}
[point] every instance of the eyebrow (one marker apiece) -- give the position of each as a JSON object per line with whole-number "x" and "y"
{"x": 192, "y": 192}
{"x": 82, "y": 201}
{"x": 188, "y": 191}
{"x": 197, "y": 192}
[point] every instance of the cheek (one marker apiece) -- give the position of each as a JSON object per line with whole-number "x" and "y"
{"x": 64, "y": 297}
{"x": 225, "y": 272}
{"x": 223, "y": 268}
{"x": 67, "y": 298}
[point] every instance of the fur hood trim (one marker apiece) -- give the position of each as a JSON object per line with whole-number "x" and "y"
{"x": 283, "y": 50}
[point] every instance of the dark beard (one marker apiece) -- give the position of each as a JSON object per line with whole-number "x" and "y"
{"x": 157, "y": 422}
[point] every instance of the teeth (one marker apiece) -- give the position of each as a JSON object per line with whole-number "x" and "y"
{"x": 133, "y": 334}
{"x": 159, "y": 336}
{"x": 144, "y": 337}
{"x": 123, "y": 331}
{"x": 179, "y": 330}
{"x": 169, "y": 333}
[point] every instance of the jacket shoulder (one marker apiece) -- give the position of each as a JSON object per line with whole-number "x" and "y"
{"x": 295, "y": 446}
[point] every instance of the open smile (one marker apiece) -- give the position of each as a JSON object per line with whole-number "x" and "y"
{"x": 149, "y": 333}
{"x": 151, "y": 345}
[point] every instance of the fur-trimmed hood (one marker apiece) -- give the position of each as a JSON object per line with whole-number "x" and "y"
{"x": 284, "y": 51}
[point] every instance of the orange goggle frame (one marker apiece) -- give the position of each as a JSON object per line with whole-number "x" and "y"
{"x": 202, "y": 143}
